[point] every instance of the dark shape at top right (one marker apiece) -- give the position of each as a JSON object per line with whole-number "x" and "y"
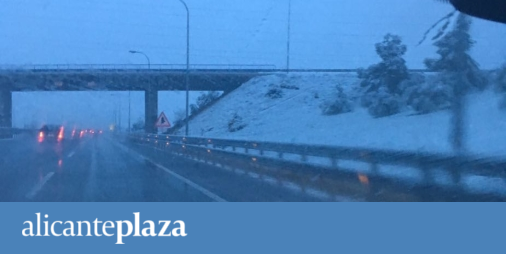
{"x": 493, "y": 10}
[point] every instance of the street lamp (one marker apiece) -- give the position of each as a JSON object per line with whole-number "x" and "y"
{"x": 288, "y": 36}
{"x": 139, "y": 52}
{"x": 117, "y": 111}
{"x": 129, "y": 92}
{"x": 129, "y": 111}
{"x": 187, "y": 65}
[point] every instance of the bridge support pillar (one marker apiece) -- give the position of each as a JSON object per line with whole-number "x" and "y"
{"x": 151, "y": 110}
{"x": 5, "y": 113}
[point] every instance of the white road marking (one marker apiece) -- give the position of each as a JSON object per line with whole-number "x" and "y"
{"x": 39, "y": 186}
{"x": 91, "y": 185}
{"x": 71, "y": 154}
{"x": 174, "y": 174}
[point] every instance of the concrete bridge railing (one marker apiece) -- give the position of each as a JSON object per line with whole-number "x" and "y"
{"x": 52, "y": 67}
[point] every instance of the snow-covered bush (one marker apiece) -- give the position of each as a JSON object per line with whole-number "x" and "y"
{"x": 383, "y": 104}
{"x": 381, "y": 83}
{"x": 203, "y": 101}
{"x": 337, "y": 103}
{"x": 274, "y": 92}
{"x": 179, "y": 117}
{"x": 194, "y": 109}
{"x": 429, "y": 97}
{"x": 289, "y": 87}
{"x": 236, "y": 123}
{"x": 414, "y": 80}
{"x": 206, "y": 99}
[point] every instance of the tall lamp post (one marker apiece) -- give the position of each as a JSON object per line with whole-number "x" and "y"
{"x": 187, "y": 66}
{"x": 129, "y": 92}
{"x": 288, "y": 36}
{"x": 139, "y": 52}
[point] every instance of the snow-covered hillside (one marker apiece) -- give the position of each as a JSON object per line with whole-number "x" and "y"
{"x": 297, "y": 118}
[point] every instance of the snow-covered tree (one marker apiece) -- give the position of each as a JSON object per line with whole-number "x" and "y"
{"x": 384, "y": 103}
{"x": 236, "y": 123}
{"x": 453, "y": 50}
{"x": 382, "y": 80}
{"x": 459, "y": 72}
{"x": 428, "y": 97}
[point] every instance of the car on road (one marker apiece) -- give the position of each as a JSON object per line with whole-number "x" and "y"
{"x": 57, "y": 133}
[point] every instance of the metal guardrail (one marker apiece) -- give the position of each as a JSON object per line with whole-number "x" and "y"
{"x": 457, "y": 167}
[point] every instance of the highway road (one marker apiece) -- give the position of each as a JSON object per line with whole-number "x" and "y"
{"x": 104, "y": 169}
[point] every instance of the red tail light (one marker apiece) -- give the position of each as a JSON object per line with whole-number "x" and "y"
{"x": 60, "y": 134}
{"x": 41, "y": 136}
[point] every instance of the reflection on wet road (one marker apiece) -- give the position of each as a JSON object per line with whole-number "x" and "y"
{"x": 99, "y": 169}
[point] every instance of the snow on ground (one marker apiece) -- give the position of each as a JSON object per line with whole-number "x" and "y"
{"x": 297, "y": 118}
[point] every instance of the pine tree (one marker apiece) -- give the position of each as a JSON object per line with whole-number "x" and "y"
{"x": 391, "y": 71}
{"x": 381, "y": 82}
{"x": 459, "y": 72}
{"x": 454, "y": 58}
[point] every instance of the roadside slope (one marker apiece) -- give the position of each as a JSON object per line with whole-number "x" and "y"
{"x": 297, "y": 118}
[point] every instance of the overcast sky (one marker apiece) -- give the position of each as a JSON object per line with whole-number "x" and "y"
{"x": 325, "y": 34}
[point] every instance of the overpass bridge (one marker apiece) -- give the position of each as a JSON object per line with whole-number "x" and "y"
{"x": 100, "y": 77}
{"x": 127, "y": 77}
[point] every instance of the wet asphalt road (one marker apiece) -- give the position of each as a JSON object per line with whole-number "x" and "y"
{"x": 104, "y": 169}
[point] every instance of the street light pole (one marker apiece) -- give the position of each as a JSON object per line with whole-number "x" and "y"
{"x": 129, "y": 111}
{"x": 288, "y": 36}
{"x": 115, "y": 111}
{"x": 120, "y": 110}
{"x": 130, "y": 92}
{"x": 187, "y": 66}
{"x": 142, "y": 53}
